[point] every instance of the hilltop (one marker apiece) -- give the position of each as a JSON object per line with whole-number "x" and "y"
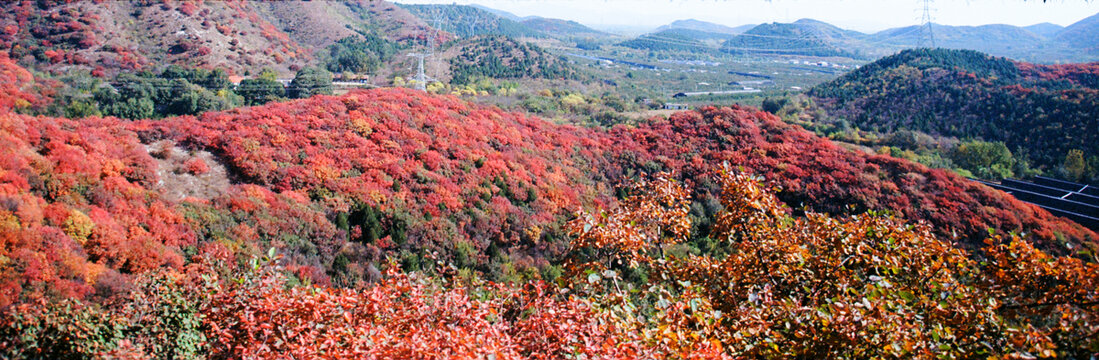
{"x": 704, "y": 26}
{"x": 1046, "y": 30}
{"x": 499, "y": 57}
{"x": 476, "y": 20}
{"x": 562, "y": 28}
{"x": 805, "y": 37}
{"x": 1081, "y": 35}
{"x": 671, "y": 40}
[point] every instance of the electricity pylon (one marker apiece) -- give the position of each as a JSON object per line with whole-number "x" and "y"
{"x": 927, "y": 37}
{"x": 421, "y": 78}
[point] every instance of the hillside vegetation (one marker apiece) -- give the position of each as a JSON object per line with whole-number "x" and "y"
{"x": 497, "y": 57}
{"x": 1040, "y": 112}
{"x": 336, "y": 184}
{"x": 112, "y": 36}
{"x": 470, "y": 21}
{"x": 239, "y": 37}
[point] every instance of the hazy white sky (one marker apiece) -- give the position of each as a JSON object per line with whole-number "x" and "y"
{"x": 862, "y": 15}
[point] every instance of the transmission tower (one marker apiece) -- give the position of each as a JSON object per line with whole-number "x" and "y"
{"x": 421, "y": 78}
{"x": 437, "y": 20}
{"x": 927, "y": 37}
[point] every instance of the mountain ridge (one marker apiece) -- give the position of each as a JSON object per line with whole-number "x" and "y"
{"x": 699, "y": 25}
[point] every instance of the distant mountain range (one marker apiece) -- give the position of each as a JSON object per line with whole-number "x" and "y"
{"x": 1082, "y": 36}
{"x": 1043, "y": 43}
{"x": 997, "y": 39}
{"x": 500, "y": 13}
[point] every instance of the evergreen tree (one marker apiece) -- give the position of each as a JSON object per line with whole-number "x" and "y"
{"x": 310, "y": 81}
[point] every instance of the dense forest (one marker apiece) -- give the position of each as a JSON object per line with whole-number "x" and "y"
{"x": 1044, "y": 114}
{"x": 503, "y": 58}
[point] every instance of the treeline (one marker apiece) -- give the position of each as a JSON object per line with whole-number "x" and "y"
{"x": 503, "y": 58}
{"x": 1048, "y": 116}
{"x": 178, "y": 91}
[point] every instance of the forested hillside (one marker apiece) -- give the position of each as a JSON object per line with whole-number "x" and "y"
{"x": 498, "y": 57}
{"x": 1042, "y": 113}
{"x": 470, "y": 21}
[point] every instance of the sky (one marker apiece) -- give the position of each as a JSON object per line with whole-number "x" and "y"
{"x": 861, "y": 15}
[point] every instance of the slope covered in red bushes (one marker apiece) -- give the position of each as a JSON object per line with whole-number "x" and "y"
{"x": 113, "y": 36}
{"x": 16, "y": 86}
{"x": 337, "y": 184}
{"x": 491, "y": 176}
{"x": 821, "y": 176}
{"x": 76, "y": 203}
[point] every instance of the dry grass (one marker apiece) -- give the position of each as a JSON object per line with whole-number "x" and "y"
{"x": 177, "y": 183}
